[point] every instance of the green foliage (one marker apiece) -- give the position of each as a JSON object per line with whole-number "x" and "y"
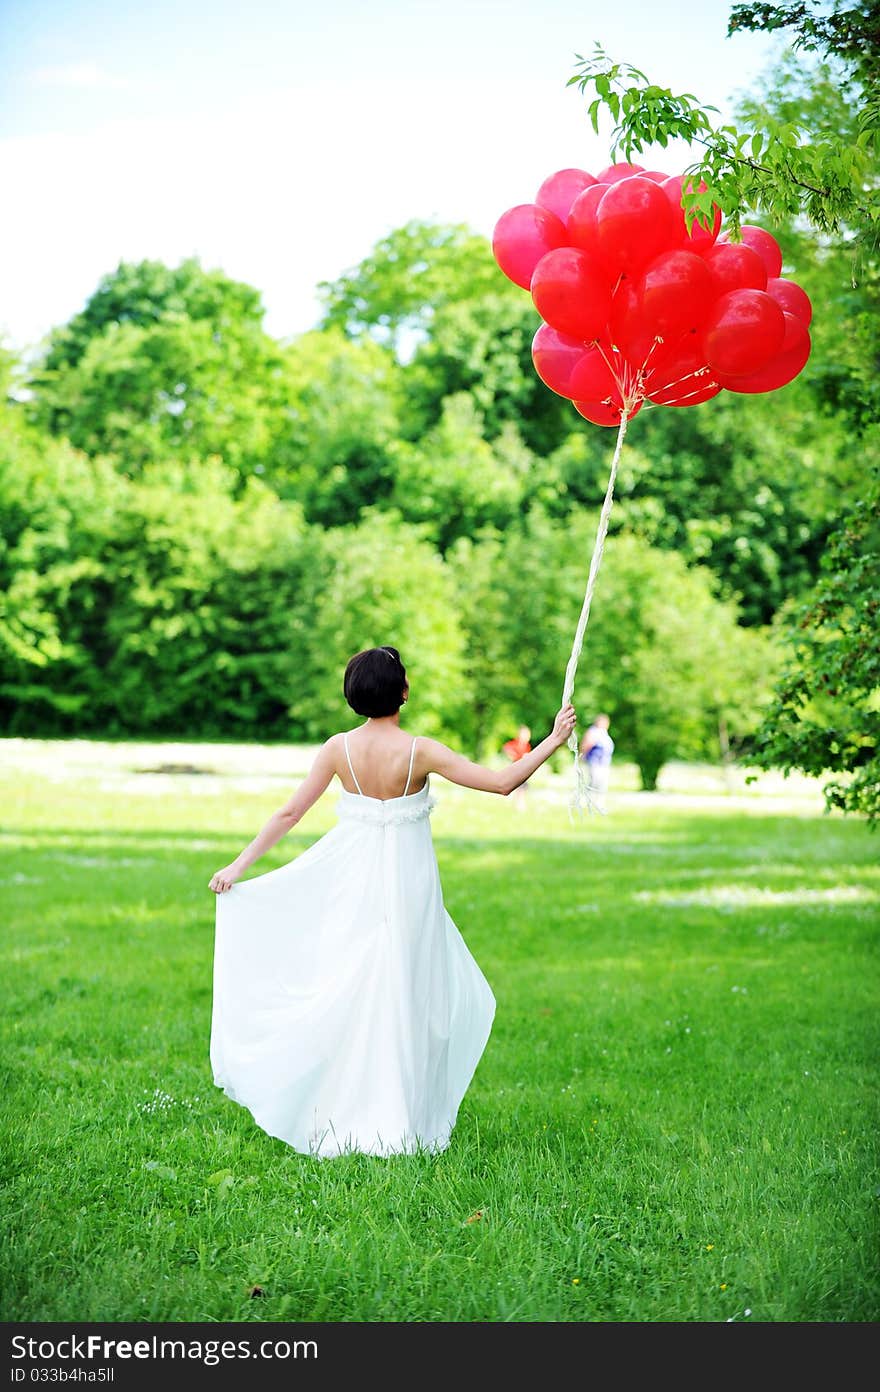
{"x": 144, "y": 293}
{"x": 454, "y": 481}
{"x": 434, "y": 294}
{"x": 410, "y": 275}
{"x": 32, "y": 474}
{"x": 333, "y": 447}
{"x": 162, "y": 362}
{"x": 483, "y": 345}
{"x": 162, "y": 604}
{"x": 380, "y": 583}
{"x": 177, "y": 604}
{"x": 780, "y": 167}
{"x": 668, "y": 660}
{"x": 752, "y": 494}
{"x": 663, "y": 655}
{"x": 826, "y": 711}
{"x": 842, "y": 277}
{"x": 853, "y": 34}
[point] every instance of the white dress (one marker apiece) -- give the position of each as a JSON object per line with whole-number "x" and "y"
{"x": 348, "y": 1013}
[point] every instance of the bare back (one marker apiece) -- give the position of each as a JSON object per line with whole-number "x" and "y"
{"x": 379, "y": 763}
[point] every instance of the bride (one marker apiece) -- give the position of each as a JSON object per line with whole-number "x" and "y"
{"x": 348, "y": 1013}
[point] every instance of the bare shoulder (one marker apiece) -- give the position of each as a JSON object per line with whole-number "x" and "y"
{"x": 429, "y": 751}
{"x": 331, "y": 750}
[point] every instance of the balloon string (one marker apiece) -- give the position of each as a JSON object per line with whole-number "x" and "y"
{"x": 582, "y": 796}
{"x": 677, "y": 381}
{"x": 621, "y": 384}
{"x": 677, "y": 401}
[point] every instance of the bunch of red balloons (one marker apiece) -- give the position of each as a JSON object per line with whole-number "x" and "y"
{"x": 639, "y": 306}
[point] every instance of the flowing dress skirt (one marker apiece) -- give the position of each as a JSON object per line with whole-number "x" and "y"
{"x": 348, "y": 1013}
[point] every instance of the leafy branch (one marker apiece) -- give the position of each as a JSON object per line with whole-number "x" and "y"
{"x": 776, "y": 169}
{"x": 824, "y": 715}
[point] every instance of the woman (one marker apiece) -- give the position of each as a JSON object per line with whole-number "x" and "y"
{"x": 348, "y": 1013}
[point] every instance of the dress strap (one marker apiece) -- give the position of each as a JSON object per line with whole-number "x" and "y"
{"x": 412, "y": 753}
{"x": 351, "y": 768}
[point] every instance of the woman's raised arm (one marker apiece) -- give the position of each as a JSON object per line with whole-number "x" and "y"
{"x": 438, "y": 758}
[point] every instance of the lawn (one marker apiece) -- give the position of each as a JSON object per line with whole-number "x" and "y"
{"x": 675, "y": 1117}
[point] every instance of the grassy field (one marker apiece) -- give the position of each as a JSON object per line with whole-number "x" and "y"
{"x": 674, "y": 1119}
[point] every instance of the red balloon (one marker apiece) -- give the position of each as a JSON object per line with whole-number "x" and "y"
{"x": 581, "y": 225}
{"x": 555, "y": 356}
{"x": 735, "y": 266}
{"x": 701, "y": 236}
{"x": 792, "y": 298}
{"x": 744, "y": 331}
{"x": 781, "y": 369}
{"x": 631, "y": 334}
{"x": 674, "y": 361}
{"x": 522, "y": 236}
{"x": 765, "y": 245}
{"x": 666, "y": 371}
{"x": 603, "y": 413}
{"x": 675, "y": 293}
{"x": 615, "y": 172}
{"x": 634, "y": 223}
{"x": 571, "y": 291}
{"x": 559, "y": 190}
{"x": 593, "y": 380}
{"x": 655, "y": 317}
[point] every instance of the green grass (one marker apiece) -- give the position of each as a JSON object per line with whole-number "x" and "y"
{"x": 674, "y": 1118}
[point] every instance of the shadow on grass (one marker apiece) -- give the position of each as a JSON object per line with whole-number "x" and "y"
{"x": 684, "y": 851}
{"x": 689, "y": 830}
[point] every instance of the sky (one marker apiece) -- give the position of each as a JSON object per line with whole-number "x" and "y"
{"x": 279, "y": 141}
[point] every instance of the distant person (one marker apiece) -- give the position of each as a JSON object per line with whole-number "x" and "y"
{"x": 515, "y": 749}
{"x": 596, "y": 750}
{"x": 348, "y": 1013}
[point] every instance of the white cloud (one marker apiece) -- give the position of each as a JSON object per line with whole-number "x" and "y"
{"x": 84, "y": 76}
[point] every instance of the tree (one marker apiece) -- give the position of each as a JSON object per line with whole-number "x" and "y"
{"x": 751, "y": 492}
{"x": 825, "y": 716}
{"x": 161, "y": 605}
{"x": 454, "y": 481}
{"x": 332, "y": 447}
{"x": 432, "y": 293}
{"x": 396, "y": 291}
{"x": 483, "y": 345}
{"x": 852, "y": 35}
{"x": 31, "y": 469}
{"x": 162, "y": 362}
{"x": 145, "y": 292}
{"x": 842, "y": 272}
{"x": 668, "y": 660}
{"x": 663, "y": 655}
{"x": 776, "y": 167}
{"x": 378, "y": 583}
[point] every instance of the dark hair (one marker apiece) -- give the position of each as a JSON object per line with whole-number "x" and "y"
{"x": 374, "y": 682}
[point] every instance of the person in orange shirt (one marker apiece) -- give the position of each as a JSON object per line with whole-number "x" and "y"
{"x": 515, "y": 749}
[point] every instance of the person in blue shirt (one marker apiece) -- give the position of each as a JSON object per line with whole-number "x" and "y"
{"x": 596, "y": 750}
